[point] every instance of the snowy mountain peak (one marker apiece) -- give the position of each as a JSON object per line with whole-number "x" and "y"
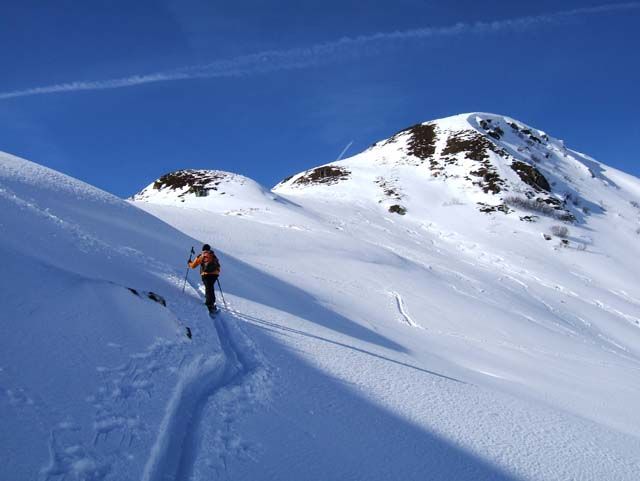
{"x": 183, "y": 184}
{"x": 211, "y": 190}
{"x": 495, "y": 162}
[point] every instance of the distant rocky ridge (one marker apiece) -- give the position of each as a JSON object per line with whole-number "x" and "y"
{"x": 190, "y": 182}
{"x": 497, "y": 163}
{"x": 518, "y": 168}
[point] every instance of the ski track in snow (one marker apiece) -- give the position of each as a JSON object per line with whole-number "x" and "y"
{"x": 526, "y": 281}
{"x": 177, "y": 447}
{"x": 403, "y": 311}
{"x": 117, "y": 428}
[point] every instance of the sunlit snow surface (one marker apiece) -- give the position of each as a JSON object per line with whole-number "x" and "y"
{"x": 444, "y": 344}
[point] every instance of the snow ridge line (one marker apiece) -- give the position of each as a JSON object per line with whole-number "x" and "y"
{"x": 403, "y": 311}
{"x": 175, "y": 450}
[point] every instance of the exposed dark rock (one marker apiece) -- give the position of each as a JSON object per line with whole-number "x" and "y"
{"x": 491, "y": 181}
{"x": 477, "y": 147}
{"x": 556, "y": 203}
{"x": 495, "y": 132}
{"x": 133, "y": 291}
{"x": 397, "y": 209}
{"x": 547, "y": 206}
{"x": 531, "y": 176}
{"x": 472, "y": 144}
{"x": 423, "y": 140}
{"x": 526, "y": 203}
{"x": 157, "y": 298}
{"x": 422, "y": 145}
{"x": 328, "y": 174}
{"x": 197, "y": 181}
{"x": 287, "y": 179}
{"x": 151, "y": 295}
{"x": 488, "y": 209}
{"x": 388, "y": 188}
{"x": 566, "y": 217}
{"x": 200, "y": 191}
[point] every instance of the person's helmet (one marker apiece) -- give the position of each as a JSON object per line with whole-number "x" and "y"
{"x": 206, "y": 247}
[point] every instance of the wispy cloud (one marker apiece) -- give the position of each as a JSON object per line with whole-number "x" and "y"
{"x": 323, "y": 53}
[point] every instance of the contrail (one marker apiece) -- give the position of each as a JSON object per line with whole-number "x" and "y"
{"x": 344, "y": 151}
{"x": 318, "y": 54}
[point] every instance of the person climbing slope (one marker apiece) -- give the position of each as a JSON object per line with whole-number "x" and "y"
{"x": 209, "y": 270}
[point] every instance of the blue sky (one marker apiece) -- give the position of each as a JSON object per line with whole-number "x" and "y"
{"x": 117, "y": 93}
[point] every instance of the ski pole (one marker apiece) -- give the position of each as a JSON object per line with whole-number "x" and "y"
{"x": 222, "y": 294}
{"x": 187, "y": 274}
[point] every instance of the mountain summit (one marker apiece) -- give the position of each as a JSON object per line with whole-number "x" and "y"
{"x": 495, "y": 162}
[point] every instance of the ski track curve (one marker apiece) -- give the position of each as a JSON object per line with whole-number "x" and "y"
{"x": 403, "y": 311}
{"x": 176, "y": 449}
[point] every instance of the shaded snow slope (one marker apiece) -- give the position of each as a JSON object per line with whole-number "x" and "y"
{"x": 455, "y": 339}
{"x": 94, "y": 367}
{"x": 483, "y": 373}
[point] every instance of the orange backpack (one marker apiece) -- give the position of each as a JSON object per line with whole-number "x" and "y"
{"x": 210, "y": 263}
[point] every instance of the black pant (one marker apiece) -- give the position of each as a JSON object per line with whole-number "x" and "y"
{"x": 209, "y": 283}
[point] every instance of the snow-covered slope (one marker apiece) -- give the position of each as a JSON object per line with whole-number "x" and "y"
{"x": 201, "y": 188}
{"x": 430, "y": 305}
{"x": 217, "y": 191}
{"x": 97, "y": 376}
{"x": 494, "y": 162}
{"x": 452, "y": 342}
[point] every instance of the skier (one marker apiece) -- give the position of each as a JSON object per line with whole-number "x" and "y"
{"x": 209, "y": 270}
